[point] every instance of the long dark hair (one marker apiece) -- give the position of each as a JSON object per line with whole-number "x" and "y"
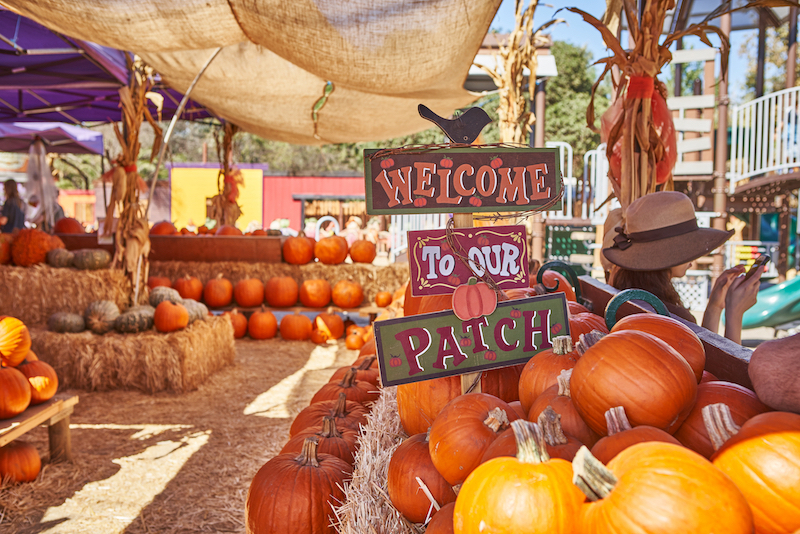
{"x": 12, "y": 194}
{"x": 659, "y": 283}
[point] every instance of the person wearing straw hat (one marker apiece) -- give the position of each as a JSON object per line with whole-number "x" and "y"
{"x": 659, "y": 241}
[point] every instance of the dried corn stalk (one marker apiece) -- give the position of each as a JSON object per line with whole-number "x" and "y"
{"x": 224, "y": 209}
{"x": 132, "y": 231}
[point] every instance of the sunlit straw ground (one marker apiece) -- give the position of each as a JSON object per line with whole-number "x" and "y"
{"x": 171, "y": 463}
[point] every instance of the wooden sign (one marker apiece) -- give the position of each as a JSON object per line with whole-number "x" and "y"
{"x": 452, "y": 180}
{"x": 435, "y": 345}
{"x": 499, "y": 251}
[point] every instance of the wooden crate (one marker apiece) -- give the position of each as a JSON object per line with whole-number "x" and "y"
{"x": 724, "y": 359}
{"x": 55, "y": 414}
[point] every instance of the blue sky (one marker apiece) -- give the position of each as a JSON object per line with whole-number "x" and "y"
{"x": 578, "y": 32}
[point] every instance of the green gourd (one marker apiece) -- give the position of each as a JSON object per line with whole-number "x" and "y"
{"x": 60, "y": 257}
{"x": 135, "y": 319}
{"x": 161, "y": 293}
{"x": 89, "y": 259}
{"x": 62, "y": 322}
{"x": 100, "y": 316}
{"x": 197, "y": 310}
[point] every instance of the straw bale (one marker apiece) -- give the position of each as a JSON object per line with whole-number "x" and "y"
{"x": 33, "y": 294}
{"x": 373, "y": 278}
{"x": 148, "y": 361}
{"x": 367, "y": 507}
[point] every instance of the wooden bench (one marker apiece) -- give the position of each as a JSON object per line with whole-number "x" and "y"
{"x": 55, "y": 414}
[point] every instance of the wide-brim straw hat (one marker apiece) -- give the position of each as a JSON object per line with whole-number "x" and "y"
{"x": 661, "y": 232}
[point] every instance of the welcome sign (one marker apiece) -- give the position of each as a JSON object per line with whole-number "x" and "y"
{"x": 436, "y": 345}
{"x": 450, "y": 180}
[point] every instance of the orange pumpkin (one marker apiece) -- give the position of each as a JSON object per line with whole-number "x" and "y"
{"x": 163, "y": 228}
{"x": 5, "y": 248}
{"x": 574, "y": 307}
{"x": 68, "y": 225}
{"x": 262, "y": 325}
{"x": 30, "y": 246}
{"x": 298, "y": 250}
{"x": 583, "y": 323}
{"x": 559, "y": 444}
{"x": 558, "y": 398}
{"x": 383, "y": 299}
{"x": 354, "y": 341}
{"x": 239, "y": 323}
{"x": 202, "y": 230}
{"x": 315, "y": 293}
{"x": 158, "y": 281}
{"x": 340, "y": 442}
{"x": 331, "y": 250}
{"x": 442, "y": 522}
{"x": 542, "y": 370}
{"x": 621, "y": 436}
{"x": 281, "y": 291}
{"x": 347, "y": 414}
{"x": 333, "y": 323}
{"x": 347, "y": 294}
{"x": 19, "y": 462}
{"x": 227, "y": 230}
{"x": 364, "y": 371}
{"x": 218, "y": 292}
{"x": 551, "y": 278}
{"x": 295, "y": 326}
{"x": 170, "y": 317}
{"x": 260, "y": 232}
{"x": 355, "y": 390}
{"x": 189, "y": 287}
{"x": 42, "y": 378}
{"x": 15, "y": 392}
{"x": 363, "y": 251}
{"x": 249, "y": 293}
{"x": 15, "y": 341}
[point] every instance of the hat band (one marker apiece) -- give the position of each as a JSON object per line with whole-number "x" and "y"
{"x": 622, "y": 240}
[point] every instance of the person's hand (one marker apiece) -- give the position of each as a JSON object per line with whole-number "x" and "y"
{"x": 742, "y": 294}
{"x": 3, "y": 220}
{"x": 720, "y": 290}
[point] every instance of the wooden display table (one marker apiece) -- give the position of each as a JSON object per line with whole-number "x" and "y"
{"x": 55, "y": 414}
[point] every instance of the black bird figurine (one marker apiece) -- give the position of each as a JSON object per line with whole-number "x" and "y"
{"x": 463, "y": 129}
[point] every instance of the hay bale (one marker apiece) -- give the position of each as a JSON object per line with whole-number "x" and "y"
{"x": 367, "y": 507}
{"x": 373, "y": 278}
{"x": 33, "y": 294}
{"x": 149, "y": 361}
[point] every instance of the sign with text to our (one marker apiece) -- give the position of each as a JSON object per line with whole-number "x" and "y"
{"x": 450, "y": 180}
{"x": 499, "y": 251}
{"x": 436, "y": 345}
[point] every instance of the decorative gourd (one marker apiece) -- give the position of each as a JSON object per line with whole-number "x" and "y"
{"x": 583, "y": 323}
{"x": 442, "y": 522}
{"x": 333, "y": 322}
{"x": 298, "y": 250}
{"x": 658, "y": 487}
{"x": 528, "y": 494}
{"x": 100, "y": 316}
{"x": 558, "y": 398}
{"x": 331, "y": 250}
{"x": 164, "y": 293}
{"x": 262, "y": 324}
{"x": 559, "y": 444}
{"x": 474, "y": 299}
{"x": 19, "y": 462}
{"x": 60, "y": 258}
{"x": 15, "y": 341}
{"x": 163, "y": 228}
{"x": 315, "y": 293}
{"x": 463, "y": 431}
{"x": 674, "y": 333}
{"x": 170, "y": 317}
{"x": 742, "y": 403}
{"x": 239, "y": 322}
{"x": 410, "y": 464}
{"x": 364, "y": 371}
{"x": 363, "y": 251}
{"x": 542, "y": 370}
{"x": 62, "y": 322}
{"x": 5, "y": 248}
{"x": 773, "y": 370}
{"x": 227, "y": 230}
{"x": 295, "y": 326}
{"x": 249, "y": 293}
{"x": 347, "y": 294}
{"x": 639, "y": 372}
{"x": 218, "y": 292}
{"x": 763, "y": 460}
{"x": 91, "y": 259}
{"x": 134, "y": 320}
{"x": 347, "y": 414}
{"x": 621, "y": 435}
{"x": 158, "y": 281}
{"x": 309, "y": 485}
{"x": 354, "y": 341}
{"x": 342, "y": 443}
{"x": 197, "y": 310}
{"x": 189, "y": 287}
{"x": 42, "y": 379}
{"x": 30, "y": 247}
{"x": 281, "y": 291}
{"x": 15, "y": 392}
{"x": 355, "y": 390}
{"x": 383, "y": 299}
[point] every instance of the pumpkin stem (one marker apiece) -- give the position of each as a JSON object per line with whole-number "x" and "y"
{"x": 563, "y": 382}
{"x": 587, "y": 341}
{"x": 472, "y": 281}
{"x": 366, "y": 364}
{"x": 550, "y": 423}
{"x": 719, "y": 423}
{"x": 617, "y": 420}
{"x": 329, "y": 429}
{"x": 349, "y": 379}
{"x": 308, "y": 456}
{"x": 497, "y": 420}
{"x": 594, "y": 479}
{"x": 531, "y": 446}
{"x": 341, "y": 405}
{"x": 562, "y": 345}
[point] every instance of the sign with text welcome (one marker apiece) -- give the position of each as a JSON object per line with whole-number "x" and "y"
{"x": 436, "y": 345}
{"x": 451, "y": 180}
{"x": 500, "y": 251}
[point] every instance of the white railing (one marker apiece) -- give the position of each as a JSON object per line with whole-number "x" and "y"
{"x": 570, "y": 182}
{"x": 596, "y": 191}
{"x": 401, "y": 224}
{"x": 764, "y": 136}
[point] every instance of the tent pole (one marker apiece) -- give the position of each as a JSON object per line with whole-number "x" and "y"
{"x": 168, "y": 133}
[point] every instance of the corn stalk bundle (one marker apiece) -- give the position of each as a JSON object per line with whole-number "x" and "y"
{"x": 132, "y": 230}
{"x": 224, "y": 209}
{"x": 642, "y": 143}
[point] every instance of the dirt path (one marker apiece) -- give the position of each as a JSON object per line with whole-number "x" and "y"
{"x": 171, "y": 463}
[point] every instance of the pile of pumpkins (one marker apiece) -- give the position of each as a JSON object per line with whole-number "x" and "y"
{"x": 24, "y": 381}
{"x": 615, "y": 431}
{"x": 167, "y": 228}
{"x": 167, "y": 312}
{"x": 31, "y": 247}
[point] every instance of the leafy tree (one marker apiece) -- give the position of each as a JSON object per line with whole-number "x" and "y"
{"x": 775, "y": 68}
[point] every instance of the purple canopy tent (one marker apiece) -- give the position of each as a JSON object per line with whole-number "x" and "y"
{"x": 58, "y": 137}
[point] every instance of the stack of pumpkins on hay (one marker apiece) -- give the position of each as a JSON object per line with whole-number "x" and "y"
{"x": 621, "y": 431}
{"x": 24, "y": 381}
{"x": 31, "y": 247}
{"x": 168, "y": 312}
